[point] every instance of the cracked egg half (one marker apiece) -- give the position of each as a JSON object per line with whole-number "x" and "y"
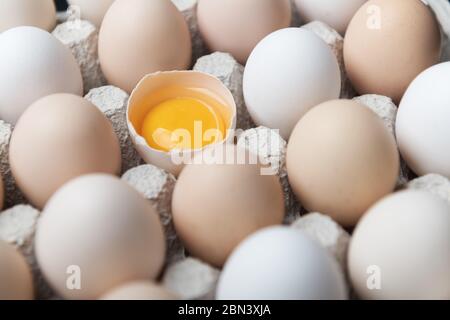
{"x": 172, "y": 116}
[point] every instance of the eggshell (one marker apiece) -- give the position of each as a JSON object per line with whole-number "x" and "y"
{"x": 388, "y": 43}
{"x": 16, "y": 282}
{"x": 423, "y": 122}
{"x": 35, "y": 13}
{"x": 139, "y": 37}
{"x": 217, "y": 203}
{"x": 140, "y": 290}
{"x": 105, "y": 229}
{"x": 337, "y": 14}
{"x": 341, "y": 159}
{"x": 289, "y": 72}
{"x": 93, "y": 11}
{"x": 402, "y": 243}
{"x": 33, "y": 64}
{"x": 236, "y": 26}
{"x": 280, "y": 263}
{"x": 138, "y": 107}
{"x": 58, "y": 138}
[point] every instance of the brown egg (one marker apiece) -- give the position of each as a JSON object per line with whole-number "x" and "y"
{"x": 341, "y": 159}
{"x": 215, "y": 206}
{"x": 34, "y": 13}
{"x": 388, "y": 43}
{"x": 97, "y": 233}
{"x": 141, "y": 290}
{"x": 138, "y": 37}
{"x": 16, "y": 282}
{"x": 236, "y": 26}
{"x": 58, "y": 138}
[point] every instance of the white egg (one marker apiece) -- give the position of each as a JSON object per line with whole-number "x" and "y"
{"x": 423, "y": 122}
{"x": 289, "y": 72}
{"x": 33, "y": 64}
{"x": 337, "y": 14}
{"x": 280, "y": 263}
{"x": 400, "y": 248}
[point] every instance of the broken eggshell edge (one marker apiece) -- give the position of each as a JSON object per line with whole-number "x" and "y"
{"x": 187, "y": 79}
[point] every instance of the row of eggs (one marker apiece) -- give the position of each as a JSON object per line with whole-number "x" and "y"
{"x": 402, "y": 241}
{"x": 51, "y": 138}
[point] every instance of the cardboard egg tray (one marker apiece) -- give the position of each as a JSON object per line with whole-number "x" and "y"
{"x": 188, "y": 277}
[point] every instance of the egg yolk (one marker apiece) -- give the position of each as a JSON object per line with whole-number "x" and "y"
{"x": 182, "y": 123}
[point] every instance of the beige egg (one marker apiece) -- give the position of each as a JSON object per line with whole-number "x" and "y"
{"x": 141, "y": 290}
{"x": 139, "y": 37}
{"x": 16, "y": 281}
{"x": 401, "y": 249}
{"x": 236, "y": 26}
{"x": 93, "y": 11}
{"x": 58, "y": 138}
{"x": 95, "y": 234}
{"x": 388, "y": 43}
{"x": 341, "y": 159}
{"x": 217, "y": 203}
{"x": 34, "y": 13}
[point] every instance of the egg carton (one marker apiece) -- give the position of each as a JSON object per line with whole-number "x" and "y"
{"x": 188, "y": 277}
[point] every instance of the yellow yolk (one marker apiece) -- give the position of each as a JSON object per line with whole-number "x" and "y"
{"x": 182, "y": 123}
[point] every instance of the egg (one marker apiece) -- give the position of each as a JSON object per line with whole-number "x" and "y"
{"x": 35, "y": 13}
{"x": 33, "y": 64}
{"x": 95, "y": 234}
{"x": 289, "y": 72}
{"x": 139, "y": 290}
{"x": 336, "y": 14}
{"x": 58, "y": 138}
{"x": 423, "y": 122}
{"x": 236, "y": 26}
{"x": 174, "y": 115}
{"x": 388, "y": 43}
{"x": 341, "y": 159}
{"x": 400, "y": 249}
{"x": 280, "y": 263}
{"x": 219, "y": 201}
{"x": 93, "y": 11}
{"x": 138, "y": 37}
{"x": 16, "y": 282}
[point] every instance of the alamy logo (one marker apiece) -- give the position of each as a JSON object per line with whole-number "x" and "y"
{"x": 374, "y": 279}
{"x": 374, "y": 17}
{"x": 73, "y": 281}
